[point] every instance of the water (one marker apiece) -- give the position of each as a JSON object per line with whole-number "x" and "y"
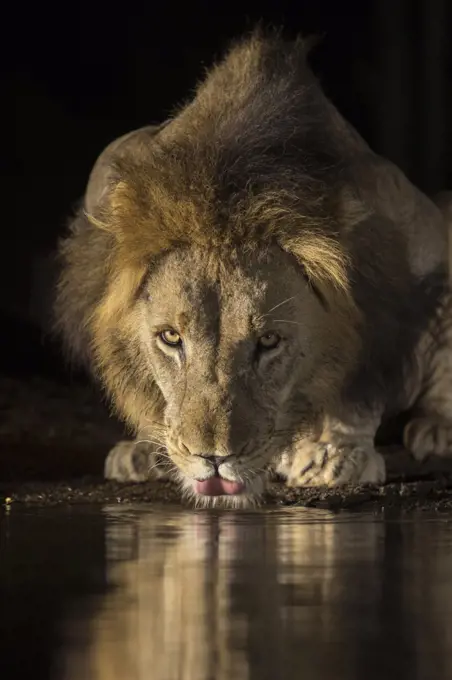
{"x": 123, "y": 593}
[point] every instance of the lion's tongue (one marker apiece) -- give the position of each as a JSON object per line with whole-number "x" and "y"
{"x": 216, "y": 486}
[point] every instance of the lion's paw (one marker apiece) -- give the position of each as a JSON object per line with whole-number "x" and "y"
{"x": 428, "y": 435}
{"x": 318, "y": 464}
{"x": 131, "y": 461}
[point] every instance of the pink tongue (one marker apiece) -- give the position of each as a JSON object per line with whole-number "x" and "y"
{"x": 216, "y": 486}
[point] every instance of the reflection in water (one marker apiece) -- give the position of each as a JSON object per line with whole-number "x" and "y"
{"x": 159, "y": 594}
{"x": 198, "y": 596}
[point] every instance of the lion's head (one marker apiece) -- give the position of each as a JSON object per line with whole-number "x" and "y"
{"x": 238, "y": 344}
{"x": 209, "y": 277}
{"x": 222, "y": 352}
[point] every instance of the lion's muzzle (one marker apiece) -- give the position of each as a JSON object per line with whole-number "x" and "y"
{"x": 217, "y": 484}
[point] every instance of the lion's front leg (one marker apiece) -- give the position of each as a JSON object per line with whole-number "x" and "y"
{"x": 135, "y": 461}
{"x": 343, "y": 454}
{"x": 430, "y": 430}
{"x": 335, "y": 464}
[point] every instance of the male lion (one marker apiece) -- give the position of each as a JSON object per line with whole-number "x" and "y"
{"x": 257, "y": 290}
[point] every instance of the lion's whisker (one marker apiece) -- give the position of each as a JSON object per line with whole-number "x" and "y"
{"x": 155, "y": 442}
{"x": 276, "y": 306}
{"x": 297, "y": 323}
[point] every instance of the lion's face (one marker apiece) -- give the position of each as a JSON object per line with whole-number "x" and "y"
{"x": 231, "y": 343}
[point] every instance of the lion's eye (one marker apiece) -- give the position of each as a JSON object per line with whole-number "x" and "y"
{"x": 171, "y": 338}
{"x": 269, "y": 341}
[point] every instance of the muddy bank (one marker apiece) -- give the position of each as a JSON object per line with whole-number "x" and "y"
{"x": 434, "y": 494}
{"x": 54, "y": 438}
{"x": 426, "y": 488}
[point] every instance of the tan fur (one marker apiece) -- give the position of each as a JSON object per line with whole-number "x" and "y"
{"x": 256, "y": 196}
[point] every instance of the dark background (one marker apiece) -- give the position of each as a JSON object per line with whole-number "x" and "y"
{"x": 76, "y": 75}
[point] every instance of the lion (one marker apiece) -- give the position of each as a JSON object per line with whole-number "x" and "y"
{"x": 257, "y": 290}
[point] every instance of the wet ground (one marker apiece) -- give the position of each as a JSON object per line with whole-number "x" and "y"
{"x": 432, "y": 493}
{"x": 161, "y": 593}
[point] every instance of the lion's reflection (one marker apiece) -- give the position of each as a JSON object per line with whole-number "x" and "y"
{"x": 196, "y": 596}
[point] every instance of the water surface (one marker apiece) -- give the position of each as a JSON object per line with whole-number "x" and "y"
{"x": 148, "y": 593}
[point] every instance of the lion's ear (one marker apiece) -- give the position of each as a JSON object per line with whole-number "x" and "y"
{"x": 116, "y": 205}
{"x": 106, "y": 192}
{"x": 325, "y": 263}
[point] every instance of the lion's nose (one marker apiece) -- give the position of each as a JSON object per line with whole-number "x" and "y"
{"x": 215, "y": 460}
